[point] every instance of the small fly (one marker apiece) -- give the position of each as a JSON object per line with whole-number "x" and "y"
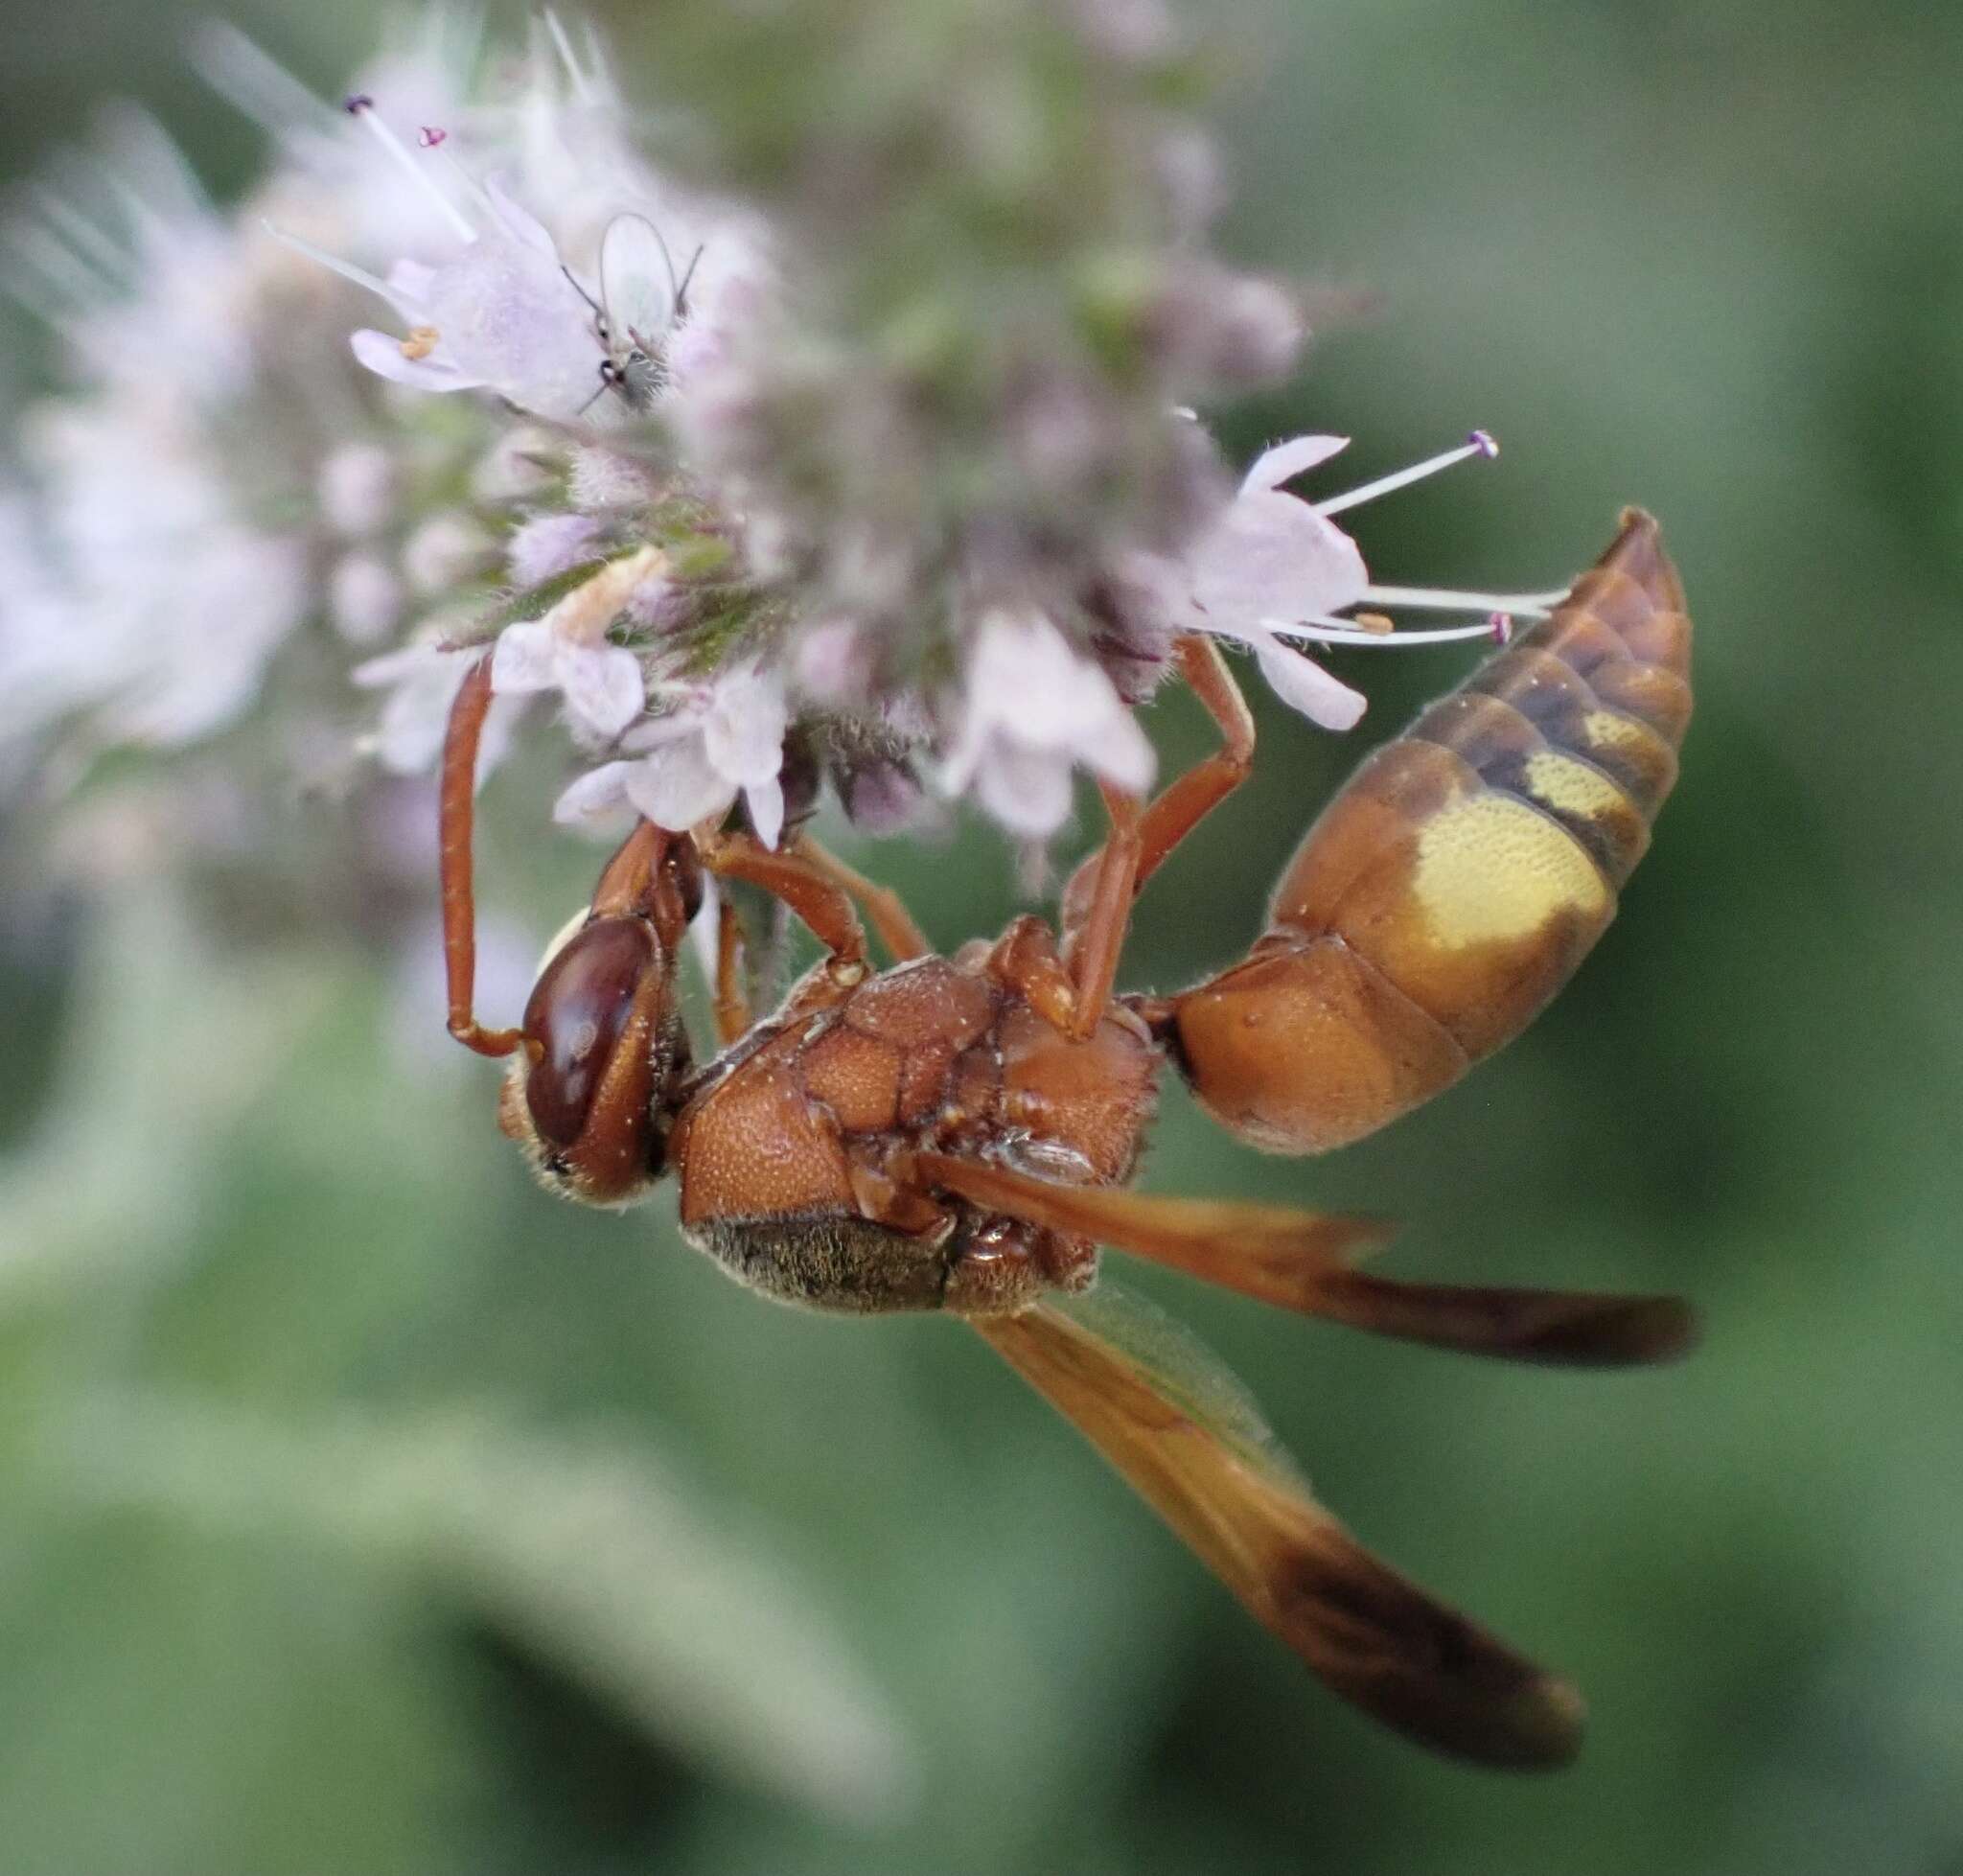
{"x": 642, "y": 302}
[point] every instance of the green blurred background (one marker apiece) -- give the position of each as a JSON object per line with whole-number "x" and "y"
{"x": 363, "y": 1510}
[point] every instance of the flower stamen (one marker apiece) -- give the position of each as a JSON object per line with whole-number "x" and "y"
{"x": 361, "y": 107}
{"x": 347, "y": 269}
{"x": 1481, "y": 443}
{"x": 1446, "y": 599}
{"x": 582, "y": 85}
{"x": 1328, "y": 629}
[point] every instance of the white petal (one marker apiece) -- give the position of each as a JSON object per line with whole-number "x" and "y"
{"x": 971, "y": 743}
{"x": 1270, "y": 556}
{"x": 383, "y": 356}
{"x": 415, "y": 719}
{"x": 603, "y": 685}
{"x": 446, "y": 550}
{"x": 364, "y": 599}
{"x": 674, "y": 787}
{"x": 1118, "y": 749}
{"x": 526, "y": 660}
{"x": 549, "y": 546}
{"x": 393, "y": 667}
{"x": 355, "y": 488}
{"x": 834, "y": 661}
{"x": 1295, "y": 457}
{"x": 1024, "y": 680}
{"x": 658, "y": 731}
{"x": 742, "y": 728}
{"x": 594, "y": 794}
{"x": 1027, "y": 790}
{"x": 766, "y": 802}
{"x": 1304, "y": 684}
{"x": 511, "y": 319}
{"x": 410, "y": 281}
{"x": 518, "y": 221}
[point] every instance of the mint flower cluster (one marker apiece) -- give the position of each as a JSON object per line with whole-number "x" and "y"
{"x": 765, "y": 453}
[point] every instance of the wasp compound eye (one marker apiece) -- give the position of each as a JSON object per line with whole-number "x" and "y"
{"x": 578, "y": 1010}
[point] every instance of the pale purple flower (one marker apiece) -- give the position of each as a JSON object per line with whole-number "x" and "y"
{"x": 423, "y": 72}
{"x": 356, "y": 490}
{"x": 881, "y": 797}
{"x": 422, "y": 681}
{"x": 602, "y": 683}
{"x": 1274, "y": 567}
{"x": 518, "y": 467}
{"x": 447, "y": 550}
{"x": 549, "y": 546}
{"x": 1270, "y": 558}
{"x": 833, "y": 662}
{"x": 171, "y": 603}
{"x": 567, "y": 651}
{"x": 1030, "y": 710}
{"x": 364, "y": 599}
{"x": 123, "y": 256}
{"x": 723, "y": 739}
{"x": 602, "y": 481}
{"x": 499, "y": 312}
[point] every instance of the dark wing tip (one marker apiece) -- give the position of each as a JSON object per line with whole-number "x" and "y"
{"x": 1570, "y": 1329}
{"x": 1615, "y": 1331}
{"x": 1421, "y": 1668}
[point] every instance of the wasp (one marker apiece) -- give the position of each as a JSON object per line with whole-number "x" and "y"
{"x": 957, "y": 1133}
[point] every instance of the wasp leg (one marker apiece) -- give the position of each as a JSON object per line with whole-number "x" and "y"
{"x": 1092, "y": 950}
{"x": 1005, "y": 1266}
{"x": 653, "y": 876}
{"x": 885, "y": 911}
{"x": 1024, "y": 959}
{"x": 1097, "y": 903}
{"x": 791, "y": 877}
{"x": 733, "y": 1015}
{"x": 457, "y": 816}
{"x": 1188, "y": 799}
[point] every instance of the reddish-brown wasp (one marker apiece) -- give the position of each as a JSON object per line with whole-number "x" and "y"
{"x": 956, "y": 1133}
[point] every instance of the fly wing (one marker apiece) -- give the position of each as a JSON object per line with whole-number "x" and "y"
{"x": 638, "y": 283}
{"x": 1185, "y": 1433}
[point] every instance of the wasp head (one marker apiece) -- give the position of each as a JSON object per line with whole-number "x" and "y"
{"x": 591, "y": 1090}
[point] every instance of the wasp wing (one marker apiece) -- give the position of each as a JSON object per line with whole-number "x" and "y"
{"x": 1187, "y": 1437}
{"x": 638, "y": 288}
{"x": 1301, "y": 1260}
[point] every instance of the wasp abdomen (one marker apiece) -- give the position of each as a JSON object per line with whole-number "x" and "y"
{"x": 1454, "y": 884}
